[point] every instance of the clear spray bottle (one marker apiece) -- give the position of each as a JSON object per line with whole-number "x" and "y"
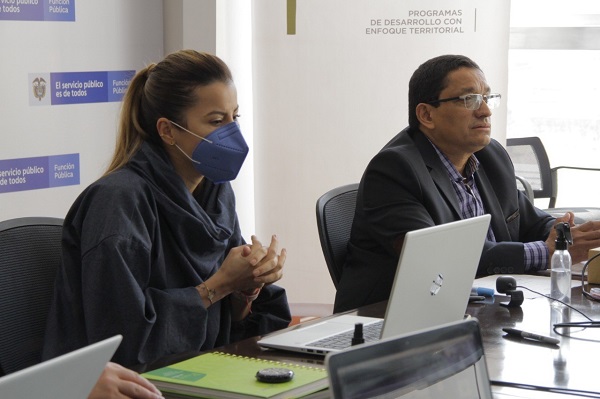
{"x": 560, "y": 283}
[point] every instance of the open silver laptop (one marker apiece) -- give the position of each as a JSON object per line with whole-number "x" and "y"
{"x": 445, "y": 361}
{"x": 432, "y": 286}
{"x": 70, "y": 376}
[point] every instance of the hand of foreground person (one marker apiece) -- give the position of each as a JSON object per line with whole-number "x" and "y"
{"x": 117, "y": 382}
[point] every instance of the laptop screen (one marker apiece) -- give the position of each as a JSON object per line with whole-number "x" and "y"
{"x": 441, "y": 362}
{"x": 69, "y": 376}
{"x": 432, "y": 285}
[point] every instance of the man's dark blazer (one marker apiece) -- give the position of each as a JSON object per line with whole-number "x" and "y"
{"x": 406, "y": 187}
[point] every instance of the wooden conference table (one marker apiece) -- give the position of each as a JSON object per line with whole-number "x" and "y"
{"x": 569, "y": 366}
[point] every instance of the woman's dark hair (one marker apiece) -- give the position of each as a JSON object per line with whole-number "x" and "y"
{"x": 430, "y": 78}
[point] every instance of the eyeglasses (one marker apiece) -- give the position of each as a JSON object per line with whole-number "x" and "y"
{"x": 473, "y": 101}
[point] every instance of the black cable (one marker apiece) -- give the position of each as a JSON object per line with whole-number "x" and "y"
{"x": 557, "y": 300}
{"x": 583, "y": 325}
{"x": 574, "y": 392}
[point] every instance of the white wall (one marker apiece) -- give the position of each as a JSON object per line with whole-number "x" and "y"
{"x": 330, "y": 96}
{"x": 316, "y": 106}
{"x": 222, "y": 28}
{"x": 190, "y": 24}
{"x": 106, "y": 35}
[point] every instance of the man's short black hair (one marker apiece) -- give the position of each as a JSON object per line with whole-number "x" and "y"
{"x": 430, "y": 78}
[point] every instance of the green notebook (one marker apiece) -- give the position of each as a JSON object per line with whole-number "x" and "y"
{"x": 220, "y": 375}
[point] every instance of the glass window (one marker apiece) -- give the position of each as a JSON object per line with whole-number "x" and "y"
{"x": 554, "y": 89}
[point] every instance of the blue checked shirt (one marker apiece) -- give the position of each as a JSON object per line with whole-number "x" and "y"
{"x": 469, "y": 199}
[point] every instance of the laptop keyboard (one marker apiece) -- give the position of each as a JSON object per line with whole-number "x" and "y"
{"x": 371, "y": 332}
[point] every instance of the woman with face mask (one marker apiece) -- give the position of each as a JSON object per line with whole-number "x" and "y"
{"x": 153, "y": 249}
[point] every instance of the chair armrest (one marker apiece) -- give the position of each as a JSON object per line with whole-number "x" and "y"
{"x": 526, "y": 187}
{"x": 576, "y": 168}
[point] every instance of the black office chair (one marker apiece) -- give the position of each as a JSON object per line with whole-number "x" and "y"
{"x": 29, "y": 258}
{"x": 533, "y": 166}
{"x": 335, "y": 213}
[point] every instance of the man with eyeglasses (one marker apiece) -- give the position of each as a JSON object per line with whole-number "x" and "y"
{"x": 445, "y": 167}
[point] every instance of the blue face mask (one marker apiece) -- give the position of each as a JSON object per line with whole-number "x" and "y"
{"x": 220, "y": 155}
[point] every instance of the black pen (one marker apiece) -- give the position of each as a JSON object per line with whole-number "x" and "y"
{"x": 528, "y": 335}
{"x": 476, "y": 298}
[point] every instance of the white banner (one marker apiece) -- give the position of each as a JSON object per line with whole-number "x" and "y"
{"x": 331, "y": 88}
{"x": 64, "y": 71}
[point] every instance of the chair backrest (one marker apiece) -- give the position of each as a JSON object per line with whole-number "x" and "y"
{"x": 335, "y": 213}
{"x": 531, "y": 163}
{"x": 29, "y": 258}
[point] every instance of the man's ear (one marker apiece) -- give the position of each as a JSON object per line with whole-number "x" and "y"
{"x": 165, "y": 131}
{"x": 424, "y": 115}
